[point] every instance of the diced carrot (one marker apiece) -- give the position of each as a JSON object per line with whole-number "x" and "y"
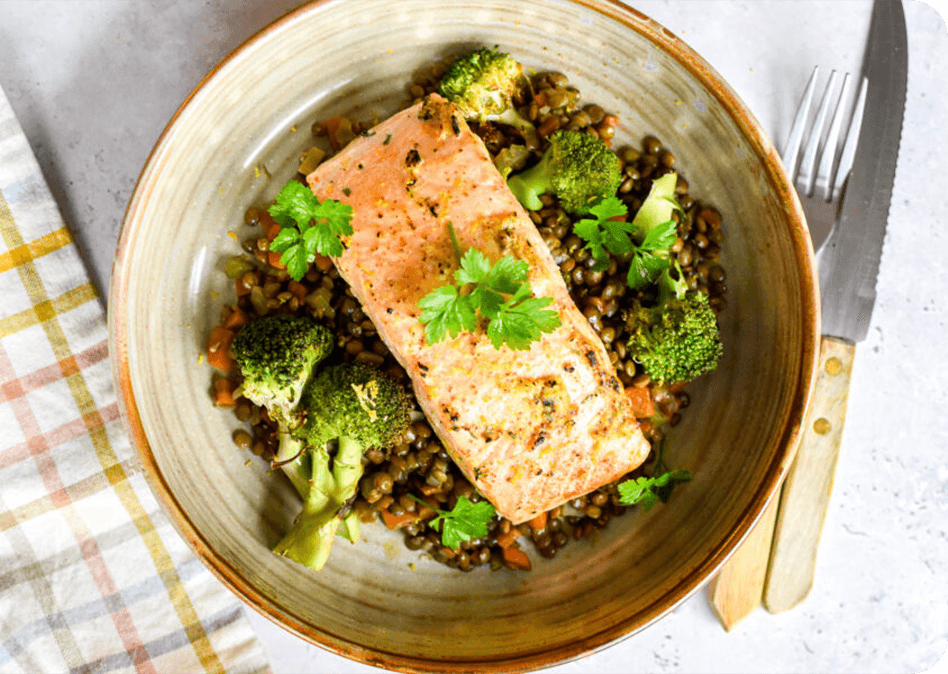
{"x": 538, "y": 522}
{"x": 398, "y": 521}
{"x": 450, "y": 553}
{"x": 540, "y": 99}
{"x": 323, "y": 263}
{"x": 218, "y": 348}
{"x": 332, "y": 128}
{"x": 224, "y": 393}
{"x": 549, "y": 125}
{"x": 274, "y": 260}
{"x": 507, "y": 539}
{"x": 619, "y": 218}
{"x": 640, "y": 401}
{"x": 270, "y": 226}
{"x": 339, "y": 130}
{"x": 298, "y": 290}
{"x": 645, "y": 426}
{"x": 516, "y": 558}
{"x": 237, "y": 319}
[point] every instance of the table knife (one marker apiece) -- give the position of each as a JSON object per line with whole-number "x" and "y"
{"x": 848, "y": 264}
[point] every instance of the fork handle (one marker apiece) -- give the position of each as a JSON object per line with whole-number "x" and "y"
{"x": 738, "y": 589}
{"x": 804, "y": 500}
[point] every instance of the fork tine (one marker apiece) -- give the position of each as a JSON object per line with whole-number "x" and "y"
{"x": 791, "y": 152}
{"x": 808, "y": 164}
{"x": 825, "y": 173}
{"x": 852, "y": 137}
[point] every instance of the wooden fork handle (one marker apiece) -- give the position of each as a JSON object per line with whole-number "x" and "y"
{"x": 804, "y": 500}
{"x": 738, "y": 589}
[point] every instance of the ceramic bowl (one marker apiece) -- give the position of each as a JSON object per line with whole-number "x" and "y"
{"x": 237, "y": 139}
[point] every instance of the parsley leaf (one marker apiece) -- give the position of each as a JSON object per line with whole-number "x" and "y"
{"x": 508, "y": 275}
{"x": 466, "y": 520}
{"x": 647, "y": 491}
{"x": 474, "y": 267}
{"x": 648, "y": 237}
{"x": 518, "y": 323}
{"x": 498, "y": 292}
{"x": 644, "y": 268}
{"x": 650, "y": 258}
{"x": 307, "y": 226}
{"x": 447, "y": 313}
{"x": 604, "y": 234}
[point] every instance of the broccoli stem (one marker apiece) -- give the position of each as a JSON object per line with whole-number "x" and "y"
{"x": 309, "y": 539}
{"x": 347, "y": 469}
{"x": 352, "y": 530}
{"x": 298, "y": 472}
{"x": 526, "y": 128}
{"x": 529, "y": 185}
{"x": 669, "y": 287}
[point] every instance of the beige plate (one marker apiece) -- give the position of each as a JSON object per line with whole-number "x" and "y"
{"x": 377, "y": 602}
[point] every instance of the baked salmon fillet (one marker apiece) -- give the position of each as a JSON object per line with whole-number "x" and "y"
{"x": 529, "y": 429}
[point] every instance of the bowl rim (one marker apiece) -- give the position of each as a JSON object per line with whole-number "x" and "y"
{"x": 774, "y": 174}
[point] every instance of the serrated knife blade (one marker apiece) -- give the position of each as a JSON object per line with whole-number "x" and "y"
{"x": 848, "y": 265}
{"x": 848, "y": 262}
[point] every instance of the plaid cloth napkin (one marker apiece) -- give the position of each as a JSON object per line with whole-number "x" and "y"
{"x": 93, "y": 577}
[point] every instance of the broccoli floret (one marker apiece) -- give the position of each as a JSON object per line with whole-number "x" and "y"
{"x": 360, "y": 408}
{"x": 577, "y": 167}
{"x": 276, "y": 355}
{"x": 482, "y": 85}
{"x": 677, "y": 339}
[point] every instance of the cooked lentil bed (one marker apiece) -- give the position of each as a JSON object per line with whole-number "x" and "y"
{"x": 419, "y": 464}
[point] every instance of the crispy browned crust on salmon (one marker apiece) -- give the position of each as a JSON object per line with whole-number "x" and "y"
{"x": 530, "y": 429}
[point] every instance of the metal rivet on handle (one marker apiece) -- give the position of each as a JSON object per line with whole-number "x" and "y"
{"x": 833, "y": 366}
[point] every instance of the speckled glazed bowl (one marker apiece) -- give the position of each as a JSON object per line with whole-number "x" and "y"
{"x": 376, "y": 601}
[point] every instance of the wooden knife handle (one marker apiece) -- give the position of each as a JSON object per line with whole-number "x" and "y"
{"x": 806, "y": 490}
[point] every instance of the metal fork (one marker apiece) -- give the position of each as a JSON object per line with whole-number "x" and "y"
{"x": 819, "y": 169}
{"x": 820, "y": 174}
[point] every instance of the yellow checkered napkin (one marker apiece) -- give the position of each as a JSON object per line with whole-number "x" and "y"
{"x": 93, "y": 577}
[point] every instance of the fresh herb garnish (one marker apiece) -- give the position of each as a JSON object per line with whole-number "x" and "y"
{"x": 307, "y": 226}
{"x": 498, "y": 293}
{"x": 656, "y": 230}
{"x": 604, "y": 234}
{"x": 646, "y": 491}
{"x": 466, "y": 520}
{"x": 648, "y": 237}
{"x": 650, "y": 258}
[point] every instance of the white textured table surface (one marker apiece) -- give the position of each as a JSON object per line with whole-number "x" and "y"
{"x": 94, "y": 82}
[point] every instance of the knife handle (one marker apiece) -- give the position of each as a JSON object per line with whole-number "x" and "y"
{"x": 804, "y": 500}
